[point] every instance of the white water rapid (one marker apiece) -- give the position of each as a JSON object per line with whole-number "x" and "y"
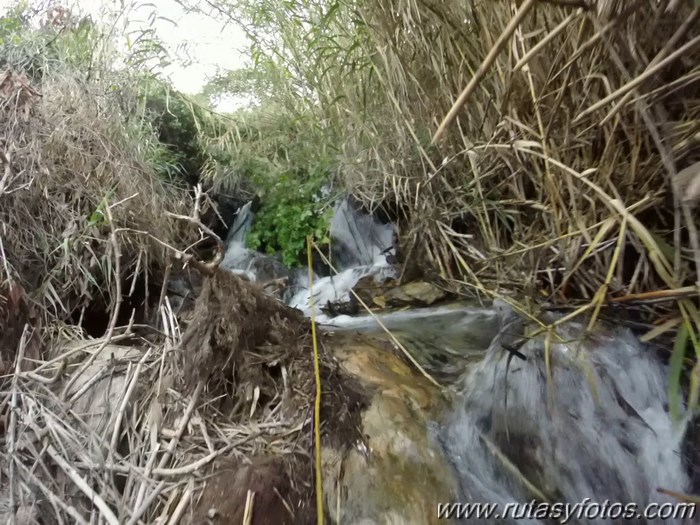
{"x": 599, "y": 428}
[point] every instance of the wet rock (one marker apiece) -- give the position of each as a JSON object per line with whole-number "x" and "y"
{"x": 396, "y": 473}
{"x": 267, "y": 268}
{"x": 386, "y": 293}
{"x": 368, "y": 288}
{"x": 335, "y": 308}
{"x": 419, "y": 292}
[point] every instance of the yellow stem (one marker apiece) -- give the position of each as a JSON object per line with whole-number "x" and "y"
{"x": 317, "y": 405}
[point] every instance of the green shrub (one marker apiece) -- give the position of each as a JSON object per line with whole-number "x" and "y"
{"x": 282, "y": 158}
{"x": 292, "y": 209}
{"x": 176, "y": 123}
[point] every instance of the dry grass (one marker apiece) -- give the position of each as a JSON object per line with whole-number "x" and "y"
{"x": 97, "y": 431}
{"x": 139, "y": 433}
{"x": 554, "y": 176}
{"x": 542, "y": 149}
{"x": 124, "y": 442}
{"x": 67, "y": 153}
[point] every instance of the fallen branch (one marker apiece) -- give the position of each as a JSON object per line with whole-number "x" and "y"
{"x": 204, "y": 268}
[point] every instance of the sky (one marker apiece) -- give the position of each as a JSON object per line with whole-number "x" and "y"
{"x": 210, "y": 44}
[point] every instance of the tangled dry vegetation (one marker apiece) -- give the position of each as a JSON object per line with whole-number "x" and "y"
{"x": 211, "y": 424}
{"x": 91, "y": 428}
{"x": 568, "y": 170}
{"x": 80, "y": 206}
{"x": 568, "y": 173}
{"x": 145, "y": 416}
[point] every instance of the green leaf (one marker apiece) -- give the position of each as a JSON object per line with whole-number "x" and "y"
{"x": 676, "y": 370}
{"x": 694, "y": 388}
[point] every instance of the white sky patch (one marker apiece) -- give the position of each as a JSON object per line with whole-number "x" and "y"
{"x": 198, "y": 45}
{"x": 202, "y": 45}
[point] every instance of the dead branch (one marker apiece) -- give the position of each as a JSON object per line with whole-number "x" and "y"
{"x": 204, "y": 268}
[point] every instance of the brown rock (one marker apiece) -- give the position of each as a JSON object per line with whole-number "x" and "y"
{"x": 395, "y": 473}
{"x": 419, "y": 292}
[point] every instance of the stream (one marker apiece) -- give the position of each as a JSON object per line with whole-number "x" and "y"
{"x": 583, "y": 417}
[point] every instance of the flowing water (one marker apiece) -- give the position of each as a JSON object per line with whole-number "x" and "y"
{"x": 598, "y": 429}
{"x": 588, "y": 418}
{"x": 238, "y": 258}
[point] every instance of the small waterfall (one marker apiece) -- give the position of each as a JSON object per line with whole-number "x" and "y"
{"x": 445, "y": 340}
{"x": 240, "y": 259}
{"x": 241, "y": 225}
{"x": 360, "y": 245}
{"x": 237, "y": 257}
{"x": 359, "y": 240}
{"x": 599, "y": 429}
{"x": 336, "y": 288}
